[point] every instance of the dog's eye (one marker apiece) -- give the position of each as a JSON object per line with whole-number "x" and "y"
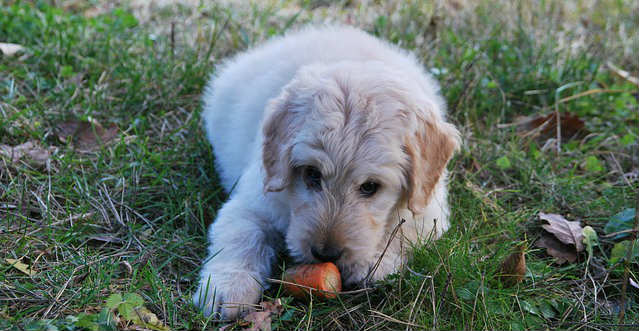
{"x": 313, "y": 177}
{"x": 368, "y": 189}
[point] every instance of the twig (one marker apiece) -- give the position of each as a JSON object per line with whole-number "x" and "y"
{"x": 432, "y": 296}
{"x": 419, "y": 292}
{"x": 620, "y": 169}
{"x": 441, "y": 298}
{"x": 589, "y": 92}
{"x": 619, "y": 232}
{"x": 379, "y": 260}
{"x": 394, "y": 320}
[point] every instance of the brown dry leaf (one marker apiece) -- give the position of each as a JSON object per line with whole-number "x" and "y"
{"x": 30, "y": 151}
{"x": 561, "y": 252}
{"x": 9, "y": 49}
{"x": 513, "y": 268}
{"x": 274, "y": 307}
{"x": 545, "y": 126}
{"x": 570, "y": 233}
{"x": 21, "y": 266}
{"x": 86, "y": 136}
{"x": 261, "y": 320}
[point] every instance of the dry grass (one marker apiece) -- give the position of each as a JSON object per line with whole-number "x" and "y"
{"x": 131, "y": 215}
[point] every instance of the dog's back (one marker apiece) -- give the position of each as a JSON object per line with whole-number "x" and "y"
{"x": 246, "y": 83}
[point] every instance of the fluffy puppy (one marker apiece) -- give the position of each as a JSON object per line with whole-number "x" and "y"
{"x": 325, "y": 138}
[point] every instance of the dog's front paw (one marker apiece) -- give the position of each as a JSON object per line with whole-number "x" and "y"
{"x": 229, "y": 295}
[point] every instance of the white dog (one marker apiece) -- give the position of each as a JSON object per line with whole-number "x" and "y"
{"x": 325, "y": 138}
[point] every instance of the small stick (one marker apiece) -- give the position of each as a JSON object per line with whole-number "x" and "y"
{"x": 379, "y": 260}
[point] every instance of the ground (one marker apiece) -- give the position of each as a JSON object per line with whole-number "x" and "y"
{"x": 107, "y": 182}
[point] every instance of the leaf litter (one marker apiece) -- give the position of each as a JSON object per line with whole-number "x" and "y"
{"x": 513, "y": 268}
{"x": 130, "y": 309}
{"x": 567, "y": 232}
{"x": 563, "y": 239}
{"x": 545, "y": 126}
{"x": 86, "y": 136}
{"x": 259, "y": 320}
{"x": 24, "y": 268}
{"x": 31, "y": 152}
{"x": 561, "y": 252}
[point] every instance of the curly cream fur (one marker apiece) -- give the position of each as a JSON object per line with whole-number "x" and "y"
{"x": 356, "y": 108}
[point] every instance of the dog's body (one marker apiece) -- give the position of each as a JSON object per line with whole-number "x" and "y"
{"x": 325, "y": 138}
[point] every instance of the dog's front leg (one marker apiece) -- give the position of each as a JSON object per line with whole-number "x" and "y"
{"x": 239, "y": 261}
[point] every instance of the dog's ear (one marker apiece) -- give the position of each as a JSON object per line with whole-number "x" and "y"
{"x": 429, "y": 150}
{"x": 278, "y": 130}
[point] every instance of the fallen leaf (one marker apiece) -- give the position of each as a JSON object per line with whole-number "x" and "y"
{"x": 545, "y": 126}
{"x": 620, "y": 222}
{"x": 149, "y": 320}
{"x": 513, "y": 268}
{"x": 261, "y": 320}
{"x": 567, "y": 232}
{"x": 30, "y": 151}
{"x": 21, "y": 266}
{"x": 131, "y": 308}
{"x": 561, "y": 252}
{"x": 274, "y": 307}
{"x": 86, "y": 136}
{"x": 9, "y": 49}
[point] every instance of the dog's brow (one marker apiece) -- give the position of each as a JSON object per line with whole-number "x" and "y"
{"x": 305, "y": 153}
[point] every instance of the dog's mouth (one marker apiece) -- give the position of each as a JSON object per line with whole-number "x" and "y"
{"x": 353, "y": 275}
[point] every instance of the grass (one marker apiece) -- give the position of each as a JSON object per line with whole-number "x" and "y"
{"x": 130, "y": 216}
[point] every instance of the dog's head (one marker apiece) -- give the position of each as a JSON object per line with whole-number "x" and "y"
{"x": 349, "y": 144}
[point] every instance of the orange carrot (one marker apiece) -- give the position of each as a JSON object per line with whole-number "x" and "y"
{"x": 321, "y": 277}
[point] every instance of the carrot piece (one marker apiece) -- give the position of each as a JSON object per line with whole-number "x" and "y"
{"x": 324, "y": 278}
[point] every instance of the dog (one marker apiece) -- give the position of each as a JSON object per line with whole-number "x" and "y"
{"x": 326, "y": 139}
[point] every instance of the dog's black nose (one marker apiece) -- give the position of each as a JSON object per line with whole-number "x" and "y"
{"x": 327, "y": 254}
